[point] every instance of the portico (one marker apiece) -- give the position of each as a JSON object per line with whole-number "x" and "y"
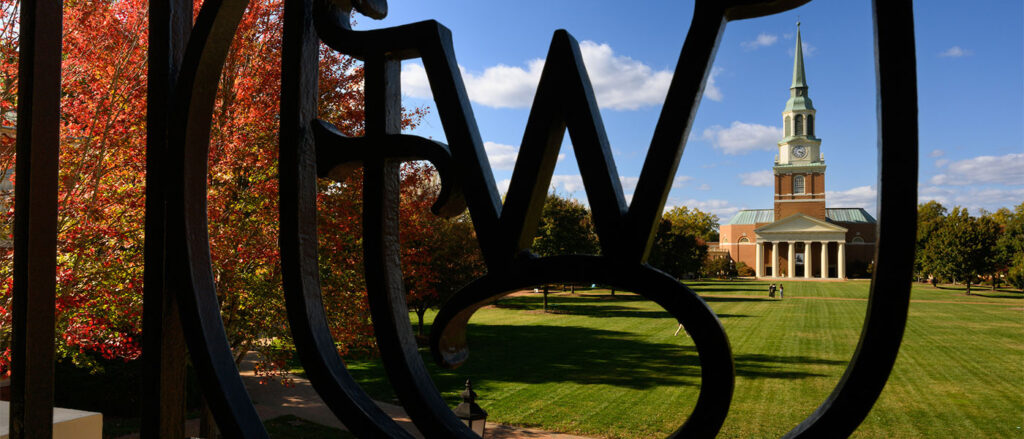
{"x": 800, "y": 237}
{"x": 795, "y": 237}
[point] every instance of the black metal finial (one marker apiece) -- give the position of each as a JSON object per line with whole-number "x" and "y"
{"x": 468, "y": 395}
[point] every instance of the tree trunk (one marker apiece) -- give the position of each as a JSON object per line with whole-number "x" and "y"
{"x": 613, "y": 291}
{"x": 968, "y": 287}
{"x": 572, "y": 289}
{"x": 419, "y": 316}
{"x": 545, "y": 298}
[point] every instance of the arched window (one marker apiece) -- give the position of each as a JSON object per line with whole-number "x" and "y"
{"x": 799, "y": 128}
{"x": 810, "y": 125}
{"x": 788, "y": 130}
{"x": 857, "y": 239}
{"x": 743, "y": 239}
{"x": 798, "y": 184}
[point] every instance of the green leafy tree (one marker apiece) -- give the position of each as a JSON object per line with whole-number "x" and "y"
{"x": 929, "y": 218}
{"x": 963, "y": 247}
{"x": 742, "y": 269}
{"x": 700, "y": 224}
{"x": 1009, "y": 258}
{"x": 680, "y": 245}
{"x": 719, "y": 267}
{"x": 566, "y": 228}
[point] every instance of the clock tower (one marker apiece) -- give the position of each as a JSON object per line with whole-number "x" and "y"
{"x": 799, "y": 167}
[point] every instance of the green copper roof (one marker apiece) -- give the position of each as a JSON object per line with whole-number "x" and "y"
{"x": 835, "y": 215}
{"x": 849, "y": 215}
{"x": 753, "y": 216}
{"x": 799, "y": 79}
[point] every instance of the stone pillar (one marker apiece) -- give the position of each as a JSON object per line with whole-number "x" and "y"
{"x": 841, "y": 260}
{"x": 759, "y": 259}
{"x": 776, "y": 261}
{"x": 824, "y": 259}
{"x": 807, "y": 259}
{"x": 791, "y": 265}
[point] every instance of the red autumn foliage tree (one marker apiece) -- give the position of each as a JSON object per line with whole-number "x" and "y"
{"x": 101, "y": 194}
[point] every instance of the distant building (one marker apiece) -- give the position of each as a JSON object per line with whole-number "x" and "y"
{"x": 800, "y": 237}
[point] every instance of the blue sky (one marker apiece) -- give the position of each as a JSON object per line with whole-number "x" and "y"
{"x": 970, "y": 58}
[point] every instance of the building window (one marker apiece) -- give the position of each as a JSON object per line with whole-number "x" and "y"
{"x": 799, "y": 124}
{"x": 857, "y": 239}
{"x": 810, "y": 125}
{"x": 798, "y": 184}
{"x": 743, "y": 239}
{"x": 788, "y": 130}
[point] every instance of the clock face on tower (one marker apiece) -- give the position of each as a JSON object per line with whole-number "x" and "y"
{"x": 799, "y": 151}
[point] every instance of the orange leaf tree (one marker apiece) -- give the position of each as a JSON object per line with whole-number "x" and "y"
{"x": 101, "y": 193}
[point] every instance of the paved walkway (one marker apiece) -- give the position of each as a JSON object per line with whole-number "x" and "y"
{"x": 273, "y": 400}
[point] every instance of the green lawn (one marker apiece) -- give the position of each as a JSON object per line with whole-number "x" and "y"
{"x": 610, "y": 367}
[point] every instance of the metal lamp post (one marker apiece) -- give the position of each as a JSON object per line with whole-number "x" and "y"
{"x": 469, "y": 412}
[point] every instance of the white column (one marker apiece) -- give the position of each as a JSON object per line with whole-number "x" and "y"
{"x": 807, "y": 259}
{"x": 791, "y": 265}
{"x": 841, "y": 260}
{"x": 759, "y": 259}
{"x": 824, "y": 259}
{"x": 776, "y": 261}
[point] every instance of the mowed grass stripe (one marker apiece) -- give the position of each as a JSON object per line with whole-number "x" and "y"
{"x": 610, "y": 367}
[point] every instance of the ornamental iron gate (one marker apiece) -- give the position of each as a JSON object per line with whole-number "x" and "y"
{"x": 180, "y": 300}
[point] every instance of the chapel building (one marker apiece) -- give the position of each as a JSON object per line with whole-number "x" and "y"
{"x": 800, "y": 237}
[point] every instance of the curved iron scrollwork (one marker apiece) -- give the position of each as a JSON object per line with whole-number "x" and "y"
{"x": 564, "y": 101}
{"x": 182, "y": 88}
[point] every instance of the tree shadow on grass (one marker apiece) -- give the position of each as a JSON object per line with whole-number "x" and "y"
{"x": 738, "y": 299}
{"x": 573, "y": 306}
{"x": 540, "y": 354}
{"x": 998, "y": 294}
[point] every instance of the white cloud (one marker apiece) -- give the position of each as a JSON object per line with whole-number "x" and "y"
{"x": 937, "y": 153}
{"x": 757, "y": 179}
{"x": 809, "y": 49}
{"x": 503, "y": 156}
{"x": 567, "y": 183}
{"x": 704, "y": 187}
{"x": 974, "y": 199}
{"x": 710, "y": 89}
{"x": 414, "y": 81}
{"x": 861, "y": 196}
{"x": 629, "y": 183}
{"x": 741, "y": 138}
{"x": 503, "y": 185}
{"x": 955, "y": 52}
{"x": 620, "y": 82}
{"x": 941, "y": 162}
{"x": 721, "y": 208}
{"x": 681, "y": 180}
{"x": 762, "y": 40}
{"x": 986, "y": 169}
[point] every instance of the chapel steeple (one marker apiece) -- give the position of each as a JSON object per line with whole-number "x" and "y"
{"x": 798, "y": 99}
{"x": 799, "y": 167}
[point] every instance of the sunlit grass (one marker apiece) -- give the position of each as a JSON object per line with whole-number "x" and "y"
{"x": 610, "y": 366}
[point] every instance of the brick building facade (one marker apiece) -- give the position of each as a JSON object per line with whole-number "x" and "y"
{"x": 800, "y": 237}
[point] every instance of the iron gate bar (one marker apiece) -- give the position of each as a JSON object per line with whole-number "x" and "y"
{"x": 163, "y": 342}
{"x": 189, "y": 270}
{"x": 35, "y": 220}
{"x": 297, "y": 165}
{"x": 187, "y": 279}
{"x": 879, "y": 345}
